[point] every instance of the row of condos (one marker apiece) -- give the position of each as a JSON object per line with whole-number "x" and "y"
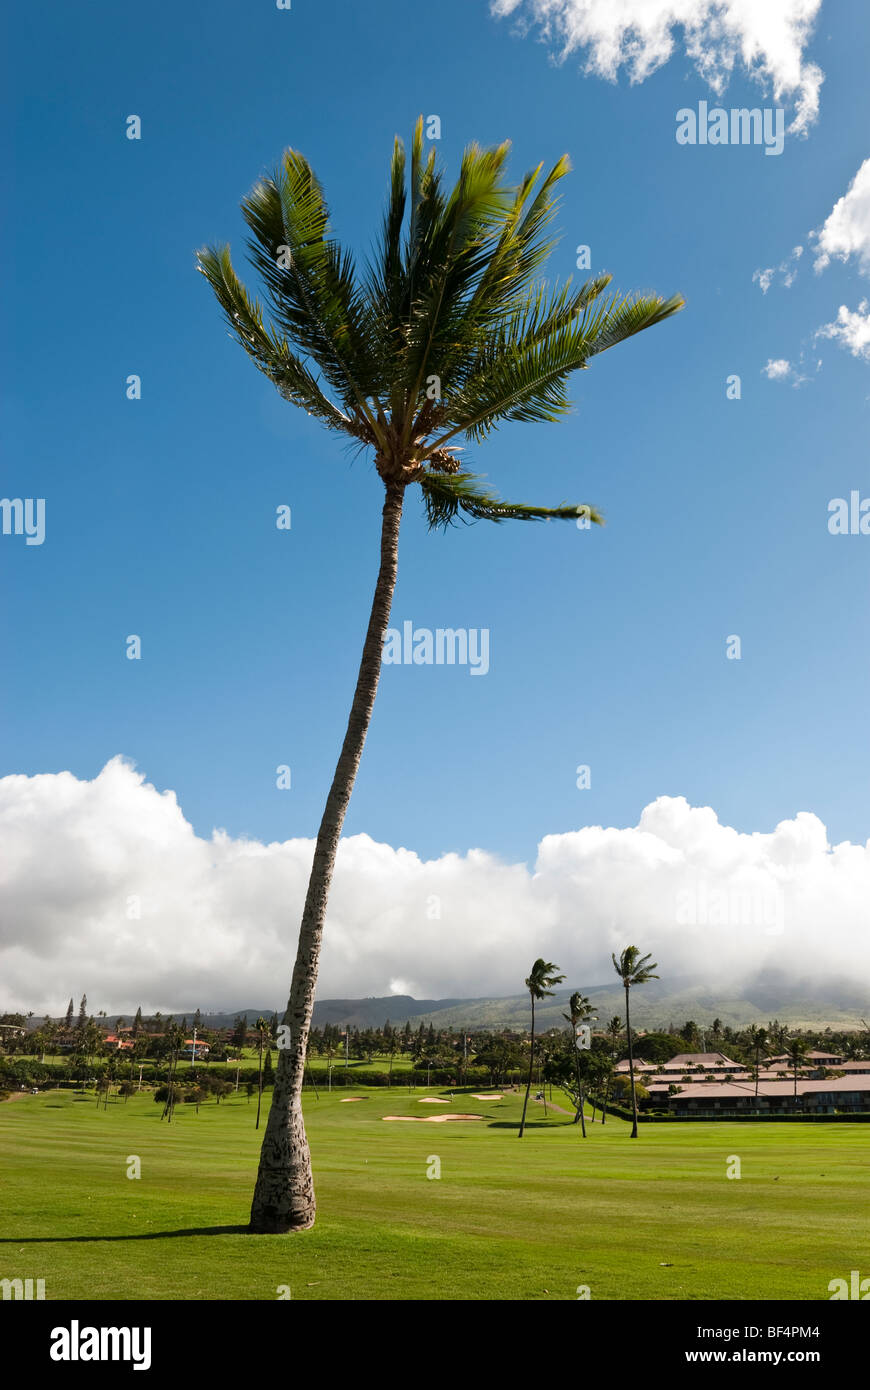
{"x": 709, "y": 1083}
{"x": 845, "y": 1094}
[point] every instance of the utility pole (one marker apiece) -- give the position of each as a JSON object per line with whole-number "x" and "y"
{"x": 193, "y": 1047}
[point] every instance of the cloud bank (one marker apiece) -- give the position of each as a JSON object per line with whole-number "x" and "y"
{"x": 766, "y": 37}
{"x": 218, "y": 917}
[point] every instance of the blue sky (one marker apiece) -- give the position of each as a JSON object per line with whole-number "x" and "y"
{"x": 607, "y": 649}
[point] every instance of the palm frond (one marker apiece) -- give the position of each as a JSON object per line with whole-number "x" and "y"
{"x": 446, "y": 495}
{"x": 270, "y": 353}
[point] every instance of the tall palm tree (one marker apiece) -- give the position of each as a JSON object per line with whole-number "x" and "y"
{"x": 633, "y": 969}
{"x": 580, "y": 1011}
{"x": 538, "y": 984}
{"x": 444, "y": 336}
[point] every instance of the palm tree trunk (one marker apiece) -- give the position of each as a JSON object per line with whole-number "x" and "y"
{"x": 531, "y": 1064}
{"x": 284, "y": 1193}
{"x": 631, "y": 1068}
{"x": 579, "y": 1082}
{"x": 259, "y": 1083}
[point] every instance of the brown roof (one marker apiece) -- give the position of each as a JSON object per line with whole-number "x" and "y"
{"x": 779, "y": 1088}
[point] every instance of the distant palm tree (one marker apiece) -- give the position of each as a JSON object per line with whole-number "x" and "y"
{"x": 580, "y": 1012}
{"x": 261, "y": 1030}
{"x": 602, "y": 1075}
{"x": 392, "y": 1049}
{"x": 632, "y": 969}
{"x": 444, "y": 336}
{"x": 538, "y": 984}
{"x": 797, "y": 1049}
{"x": 758, "y": 1041}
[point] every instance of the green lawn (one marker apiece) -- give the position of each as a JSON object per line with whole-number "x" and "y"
{"x": 652, "y": 1218}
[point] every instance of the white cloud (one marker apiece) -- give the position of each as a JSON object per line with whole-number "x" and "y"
{"x": 787, "y": 269}
{"x": 777, "y": 369}
{"x": 220, "y": 916}
{"x": 851, "y": 329}
{"x": 846, "y": 230}
{"x": 767, "y": 37}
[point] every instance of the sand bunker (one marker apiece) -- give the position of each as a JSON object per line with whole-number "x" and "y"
{"x": 432, "y": 1100}
{"x": 432, "y": 1119}
{"x": 475, "y": 1096}
{"x": 345, "y": 1100}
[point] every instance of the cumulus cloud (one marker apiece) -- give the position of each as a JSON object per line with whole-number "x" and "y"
{"x": 777, "y": 369}
{"x": 846, "y": 230}
{"x": 767, "y": 37}
{"x": 851, "y": 329}
{"x": 219, "y": 916}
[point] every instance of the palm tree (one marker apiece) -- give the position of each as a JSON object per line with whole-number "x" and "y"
{"x": 580, "y": 1011}
{"x": 601, "y": 1073}
{"x": 538, "y": 984}
{"x": 757, "y": 1038}
{"x": 444, "y": 336}
{"x": 392, "y": 1049}
{"x": 632, "y": 969}
{"x": 797, "y": 1050}
{"x": 261, "y": 1029}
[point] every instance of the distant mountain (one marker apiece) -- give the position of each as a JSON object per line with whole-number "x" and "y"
{"x": 796, "y": 1003}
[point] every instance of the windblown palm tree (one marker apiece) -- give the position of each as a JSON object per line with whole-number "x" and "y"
{"x": 538, "y": 984}
{"x": 580, "y": 1012}
{"x": 444, "y": 337}
{"x": 632, "y": 969}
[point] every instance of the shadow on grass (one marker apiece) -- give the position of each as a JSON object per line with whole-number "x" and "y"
{"x": 530, "y": 1124}
{"x": 144, "y": 1235}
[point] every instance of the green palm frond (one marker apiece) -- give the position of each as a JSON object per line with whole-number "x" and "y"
{"x": 522, "y": 372}
{"x": 633, "y": 968}
{"x": 310, "y": 281}
{"x": 445, "y": 495}
{"x": 544, "y": 973}
{"x": 445, "y": 333}
{"x": 273, "y": 357}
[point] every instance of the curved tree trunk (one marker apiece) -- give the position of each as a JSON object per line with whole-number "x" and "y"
{"x": 531, "y": 1064}
{"x": 284, "y": 1193}
{"x": 631, "y": 1067}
